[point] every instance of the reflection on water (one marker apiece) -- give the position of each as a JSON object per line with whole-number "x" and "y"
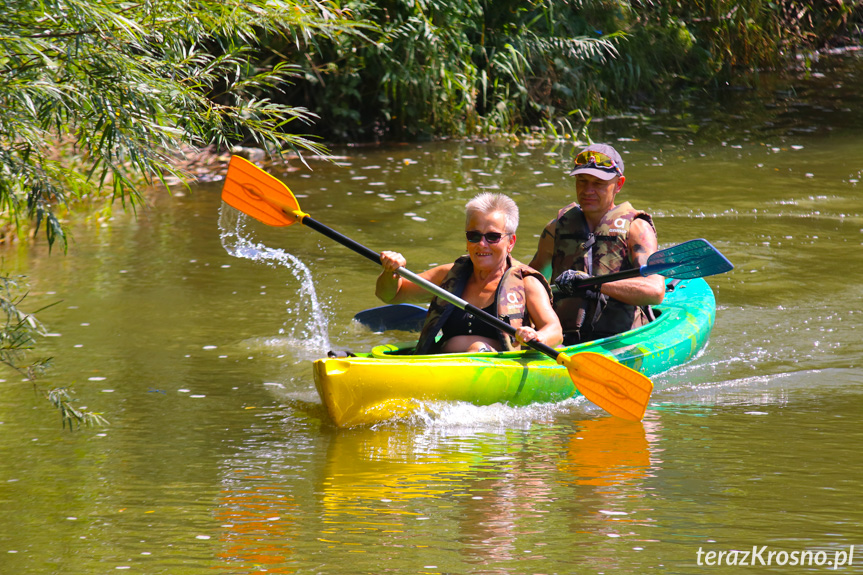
{"x": 260, "y": 524}
{"x": 484, "y": 492}
{"x": 608, "y": 451}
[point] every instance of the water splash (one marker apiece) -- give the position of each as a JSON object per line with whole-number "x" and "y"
{"x": 462, "y": 418}
{"x": 310, "y": 333}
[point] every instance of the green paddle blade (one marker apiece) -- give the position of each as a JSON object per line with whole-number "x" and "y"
{"x": 619, "y": 390}
{"x": 692, "y": 259}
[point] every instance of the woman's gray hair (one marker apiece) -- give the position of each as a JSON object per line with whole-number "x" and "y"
{"x": 489, "y": 203}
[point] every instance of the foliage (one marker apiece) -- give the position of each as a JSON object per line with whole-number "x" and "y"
{"x": 18, "y": 332}
{"x": 731, "y": 41}
{"x": 18, "y": 337}
{"x": 61, "y": 399}
{"x": 453, "y": 67}
{"x": 477, "y": 67}
{"x": 129, "y": 84}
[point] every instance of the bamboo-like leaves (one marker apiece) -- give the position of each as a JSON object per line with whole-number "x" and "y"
{"x": 127, "y": 84}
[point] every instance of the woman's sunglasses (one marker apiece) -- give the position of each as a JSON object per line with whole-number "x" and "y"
{"x": 490, "y": 237}
{"x": 597, "y": 159}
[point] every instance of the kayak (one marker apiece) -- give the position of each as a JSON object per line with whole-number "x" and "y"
{"x": 389, "y": 382}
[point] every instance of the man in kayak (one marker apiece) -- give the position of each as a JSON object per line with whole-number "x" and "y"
{"x": 488, "y": 278}
{"x": 593, "y": 237}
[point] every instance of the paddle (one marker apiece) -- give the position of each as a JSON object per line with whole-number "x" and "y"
{"x": 400, "y": 316}
{"x": 691, "y": 259}
{"x": 612, "y": 386}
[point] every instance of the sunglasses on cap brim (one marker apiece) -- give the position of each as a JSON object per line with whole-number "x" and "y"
{"x": 596, "y": 159}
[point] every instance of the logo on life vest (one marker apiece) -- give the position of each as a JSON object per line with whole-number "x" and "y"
{"x": 619, "y": 226}
{"x": 514, "y": 303}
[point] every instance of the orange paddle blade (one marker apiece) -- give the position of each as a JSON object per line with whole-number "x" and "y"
{"x": 619, "y": 390}
{"x": 253, "y": 191}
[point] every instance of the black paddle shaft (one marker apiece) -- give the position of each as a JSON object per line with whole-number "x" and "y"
{"x": 310, "y": 222}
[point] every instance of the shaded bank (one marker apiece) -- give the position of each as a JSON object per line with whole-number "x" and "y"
{"x": 462, "y": 68}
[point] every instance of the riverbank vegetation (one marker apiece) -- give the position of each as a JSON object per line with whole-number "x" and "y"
{"x": 103, "y": 97}
{"x": 468, "y": 68}
{"x": 119, "y": 88}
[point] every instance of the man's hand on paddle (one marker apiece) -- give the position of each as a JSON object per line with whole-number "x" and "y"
{"x": 568, "y": 281}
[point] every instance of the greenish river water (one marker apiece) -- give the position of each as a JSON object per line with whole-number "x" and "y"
{"x": 219, "y": 457}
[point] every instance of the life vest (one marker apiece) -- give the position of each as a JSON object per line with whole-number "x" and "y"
{"x": 602, "y": 252}
{"x": 510, "y": 302}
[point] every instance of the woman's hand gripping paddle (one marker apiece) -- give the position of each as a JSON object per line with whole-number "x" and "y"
{"x": 612, "y": 386}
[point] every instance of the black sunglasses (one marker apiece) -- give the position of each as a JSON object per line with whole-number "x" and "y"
{"x": 490, "y": 237}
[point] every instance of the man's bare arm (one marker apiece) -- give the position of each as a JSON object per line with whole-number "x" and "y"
{"x": 641, "y": 290}
{"x": 541, "y": 261}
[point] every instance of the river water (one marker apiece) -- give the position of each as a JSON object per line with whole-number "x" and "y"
{"x": 192, "y": 331}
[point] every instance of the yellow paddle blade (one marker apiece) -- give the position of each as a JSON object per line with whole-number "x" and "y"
{"x": 253, "y": 191}
{"x": 619, "y": 390}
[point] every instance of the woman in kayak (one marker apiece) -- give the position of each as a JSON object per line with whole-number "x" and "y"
{"x": 488, "y": 278}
